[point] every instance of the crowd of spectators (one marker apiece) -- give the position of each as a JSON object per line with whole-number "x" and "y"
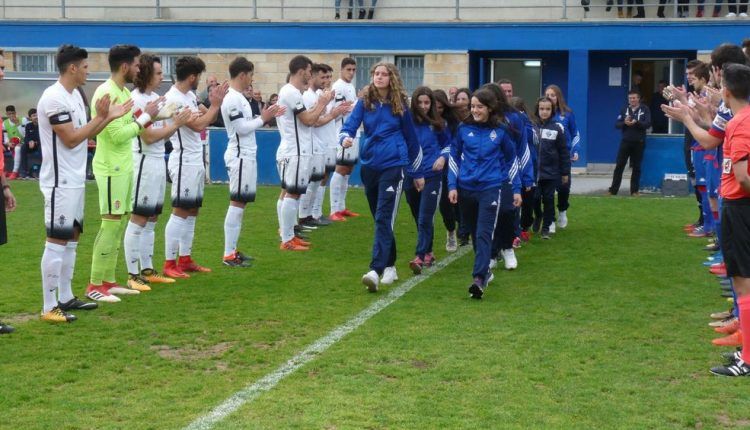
{"x": 636, "y": 8}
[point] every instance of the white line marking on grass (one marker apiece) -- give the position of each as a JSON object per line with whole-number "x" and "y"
{"x": 268, "y": 382}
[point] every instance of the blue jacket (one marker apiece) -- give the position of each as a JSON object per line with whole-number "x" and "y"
{"x": 572, "y": 136}
{"x": 520, "y": 128}
{"x": 434, "y": 144}
{"x": 389, "y": 140}
{"x": 483, "y": 157}
{"x": 554, "y": 158}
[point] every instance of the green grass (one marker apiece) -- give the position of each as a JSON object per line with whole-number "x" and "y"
{"x": 604, "y": 326}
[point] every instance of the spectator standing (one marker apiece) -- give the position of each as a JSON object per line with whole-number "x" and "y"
{"x": 737, "y": 8}
{"x": 258, "y": 97}
{"x": 699, "y": 14}
{"x": 272, "y": 101}
{"x": 362, "y": 11}
{"x": 211, "y": 81}
{"x": 30, "y": 147}
{"x": 634, "y": 120}
{"x": 659, "y": 121}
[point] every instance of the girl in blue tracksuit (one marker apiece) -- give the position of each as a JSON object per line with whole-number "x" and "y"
{"x": 390, "y": 147}
{"x": 553, "y": 159}
{"x": 564, "y": 115}
{"x": 528, "y": 209}
{"x": 448, "y": 211}
{"x": 483, "y": 158}
{"x": 434, "y": 139}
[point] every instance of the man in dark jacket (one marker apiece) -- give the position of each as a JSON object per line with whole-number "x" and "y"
{"x": 634, "y": 120}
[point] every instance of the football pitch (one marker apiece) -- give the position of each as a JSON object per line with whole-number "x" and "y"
{"x": 604, "y": 326}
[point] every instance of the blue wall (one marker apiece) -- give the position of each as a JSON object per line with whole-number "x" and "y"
{"x": 663, "y": 155}
{"x": 268, "y": 142}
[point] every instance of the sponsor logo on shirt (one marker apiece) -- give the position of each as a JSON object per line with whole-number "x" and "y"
{"x": 549, "y": 134}
{"x": 726, "y": 167}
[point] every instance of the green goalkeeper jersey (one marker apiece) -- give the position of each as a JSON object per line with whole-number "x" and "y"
{"x": 114, "y": 155}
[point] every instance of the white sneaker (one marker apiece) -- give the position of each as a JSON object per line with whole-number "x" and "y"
{"x": 509, "y": 257}
{"x": 493, "y": 263}
{"x": 563, "y": 219}
{"x": 490, "y": 277}
{"x": 122, "y": 291}
{"x": 371, "y": 281}
{"x": 552, "y": 227}
{"x": 451, "y": 243}
{"x": 731, "y": 15}
{"x": 99, "y": 297}
{"x": 389, "y": 275}
{"x": 743, "y": 15}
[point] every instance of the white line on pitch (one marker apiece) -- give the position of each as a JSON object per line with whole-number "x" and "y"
{"x": 268, "y": 382}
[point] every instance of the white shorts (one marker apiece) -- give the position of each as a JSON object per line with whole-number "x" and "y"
{"x": 187, "y": 184}
{"x": 63, "y": 211}
{"x": 348, "y": 156}
{"x": 294, "y": 173}
{"x": 243, "y": 179}
{"x": 149, "y": 184}
{"x": 317, "y": 167}
{"x": 331, "y": 158}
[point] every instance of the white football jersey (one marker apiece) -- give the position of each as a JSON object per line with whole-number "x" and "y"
{"x": 296, "y": 137}
{"x": 345, "y": 91}
{"x": 61, "y": 166}
{"x": 155, "y": 149}
{"x": 325, "y": 135}
{"x": 240, "y": 125}
{"x": 187, "y": 143}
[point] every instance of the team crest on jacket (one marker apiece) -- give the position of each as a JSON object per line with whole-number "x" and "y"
{"x": 493, "y": 136}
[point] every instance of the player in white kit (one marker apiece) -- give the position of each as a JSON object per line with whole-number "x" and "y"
{"x": 186, "y": 168}
{"x": 150, "y": 176}
{"x": 64, "y": 133}
{"x": 294, "y": 156}
{"x": 347, "y": 157}
{"x": 240, "y": 156}
{"x": 325, "y": 142}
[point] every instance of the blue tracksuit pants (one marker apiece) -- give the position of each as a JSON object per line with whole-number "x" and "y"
{"x": 479, "y": 211}
{"x": 383, "y": 189}
{"x": 423, "y": 207}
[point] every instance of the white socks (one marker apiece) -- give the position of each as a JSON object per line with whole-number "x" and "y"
{"x": 172, "y": 236}
{"x": 188, "y": 233}
{"x": 232, "y": 228}
{"x": 342, "y": 192}
{"x": 317, "y": 206}
{"x": 147, "y": 246}
{"x": 132, "y": 244}
{"x": 335, "y": 186}
{"x": 52, "y": 260}
{"x": 289, "y": 209}
{"x": 17, "y": 160}
{"x": 65, "y": 289}
{"x": 307, "y": 199}
{"x": 279, "y": 204}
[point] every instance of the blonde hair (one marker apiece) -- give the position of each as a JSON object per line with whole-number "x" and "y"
{"x": 396, "y": 93}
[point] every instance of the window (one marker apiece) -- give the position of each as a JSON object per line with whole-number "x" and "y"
{"x": 648, "y": 76}
{"x": 36, "y": 62}
{"x": 410, "y": 67}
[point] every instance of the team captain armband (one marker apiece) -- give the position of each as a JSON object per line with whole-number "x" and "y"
{"x": 60, "y": 118}
{"x": 235, "y": 114}
{"x": 299, "y": 108}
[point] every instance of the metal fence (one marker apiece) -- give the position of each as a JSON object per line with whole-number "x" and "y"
{"x": 325, "y": 10}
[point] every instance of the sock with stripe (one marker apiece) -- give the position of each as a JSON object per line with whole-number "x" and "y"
{"x": 132, "y": 243}
{"x": 51, "y": 264}
{"x": 232, "y": 229}
{"x": 105, "y": 244}
{"x": 65, "y": 290}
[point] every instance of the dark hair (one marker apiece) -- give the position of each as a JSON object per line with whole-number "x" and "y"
{"x": 347, "y": 61}
{"x": 736, "y": 79}
{"x": 662, "y": 81}
{"x": 692, "y": 64}
{"x": 2, "y": 52}
{"x": 328, "y": 68}
{"x": 122, "y": 54}
{"x": 638, "y": 93}
{"x": 32, "y": 111}
{"x": 561, "y": 107}
{"x": 298, "y": 63}
{"x": 10, "y": 108}
{"x": 319, "y": 68}
{"x": 272, "y": 96}
{"x": 488, "y": 98}
{"x": 69, "y": 54}
{"x": 145, "y": 71}
{"x": 535, "y": 115}
{"x": 504, "y": 81}
{"x": 702, "y": 71}
{"x": 240, "y": 65}
{"x": 727, "y": 53}
{"x": 448, "y": 114}
{"x": 518, "y": 104}
{"x": 502, "y": 100}
{"x": 186, "y": 66}
{"x": 420, "y": 117}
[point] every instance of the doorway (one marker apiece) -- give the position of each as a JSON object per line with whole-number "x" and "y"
{"x": 526, "y": 75}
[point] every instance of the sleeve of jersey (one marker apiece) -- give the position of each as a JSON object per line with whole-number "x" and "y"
{"x": 740, "y": 145}
{"x": 524, "y": 155}
{"x": 444, "y": 139}
{"x": 719, "y": 125}
{"x": 575, "y": 140}
{"x": 351, "y": 125}
{"x": 509, "y": 154}
{"x": 562, "y": 148}
{"x": 454, "y": 161}
{"x": 412, "y": 144}
{"x": 242, "y": 125}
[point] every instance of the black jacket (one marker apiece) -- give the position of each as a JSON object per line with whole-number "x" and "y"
{"x": 553, "y": 159}
{"x": 636, "y": 132}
